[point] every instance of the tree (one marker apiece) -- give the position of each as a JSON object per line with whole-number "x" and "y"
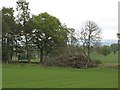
{"x": 71, "y": 36}
{"x": 8, "y": 26}
{"x": 90, "y": 35}
{"x": 23, "y": 18}
{"x": 48, "y": 33}
{"x": 114, "y": 48}
{"x": 118, "y": 35}
{"x": 105, "y": 50}
{"x": 72, "y": 40}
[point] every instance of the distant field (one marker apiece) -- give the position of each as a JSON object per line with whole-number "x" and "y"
{"x": 111, "y": 58}
{"x": 36, "y": 76}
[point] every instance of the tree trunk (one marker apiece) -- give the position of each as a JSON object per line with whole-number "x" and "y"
{"x": 88, "y": 50}
{"x": 27, "y": 50}
{"x": 28, "y": 55}
{"x": 41, "y": 55}
{"x": 89, "y": 37}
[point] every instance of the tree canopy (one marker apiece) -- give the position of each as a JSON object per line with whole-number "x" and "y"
{"x": 48, "y": 32}
{"x": 8, "y": 27}
{"x": 25, "y": 34}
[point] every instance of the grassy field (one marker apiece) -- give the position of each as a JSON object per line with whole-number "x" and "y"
{"x": 111, "y": 58}
{"x": 36, "y": 76}
{"x": 0, "y": 75}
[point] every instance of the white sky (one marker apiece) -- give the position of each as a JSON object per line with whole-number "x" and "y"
{"x": 75, "y": 12}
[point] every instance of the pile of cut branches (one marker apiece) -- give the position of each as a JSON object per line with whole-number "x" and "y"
{"x": 76, "y": 61}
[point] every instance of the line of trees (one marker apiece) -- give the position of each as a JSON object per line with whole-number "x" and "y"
{"x": 106, "y": 50}
{"x": 23, "y": 33}
{"x": 45, "y": 33}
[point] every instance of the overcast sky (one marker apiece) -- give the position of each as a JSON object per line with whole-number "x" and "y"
{"x": 75, "y": 12}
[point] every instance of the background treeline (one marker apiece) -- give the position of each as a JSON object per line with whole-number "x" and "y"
{"x": 29, "y": 37}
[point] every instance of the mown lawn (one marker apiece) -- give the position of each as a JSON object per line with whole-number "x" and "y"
{"x": 36, "y": 76}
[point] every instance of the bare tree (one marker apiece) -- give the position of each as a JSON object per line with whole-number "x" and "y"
{"x": 90, "y": 35}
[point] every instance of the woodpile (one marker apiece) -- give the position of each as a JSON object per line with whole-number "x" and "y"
{"x": 76, "y": 61}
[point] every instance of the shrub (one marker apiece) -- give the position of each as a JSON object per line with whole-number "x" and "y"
{"x": 97, "y": 62}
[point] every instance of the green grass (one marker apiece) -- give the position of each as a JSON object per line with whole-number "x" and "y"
{"x": 36, "y": 76}
{"x": 0, "y": 75}
{"x": 111, "y": 58}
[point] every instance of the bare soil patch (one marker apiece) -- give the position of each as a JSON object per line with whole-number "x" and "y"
{"x": 111, "y": 65}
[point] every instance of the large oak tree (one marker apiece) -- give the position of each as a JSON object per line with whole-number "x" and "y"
{"x": 48, "y": 33}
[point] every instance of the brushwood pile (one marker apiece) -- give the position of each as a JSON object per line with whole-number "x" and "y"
{"x": 76, "y": 61}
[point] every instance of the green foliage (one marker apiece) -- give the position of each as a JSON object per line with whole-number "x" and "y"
{"x": 8, "y": 23}
{"x": 98, "y": 62}
{"x": 8, "y": 27}
{"x": 114, "y": 48}
{"x": 105, "y": 50}
{"x": 23, "y": 13}
{"x": 48, "y": 33}
{"x": 44, "y": 32}
{"x": 118, "y": 35}
{"x": 23, "y": 19}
